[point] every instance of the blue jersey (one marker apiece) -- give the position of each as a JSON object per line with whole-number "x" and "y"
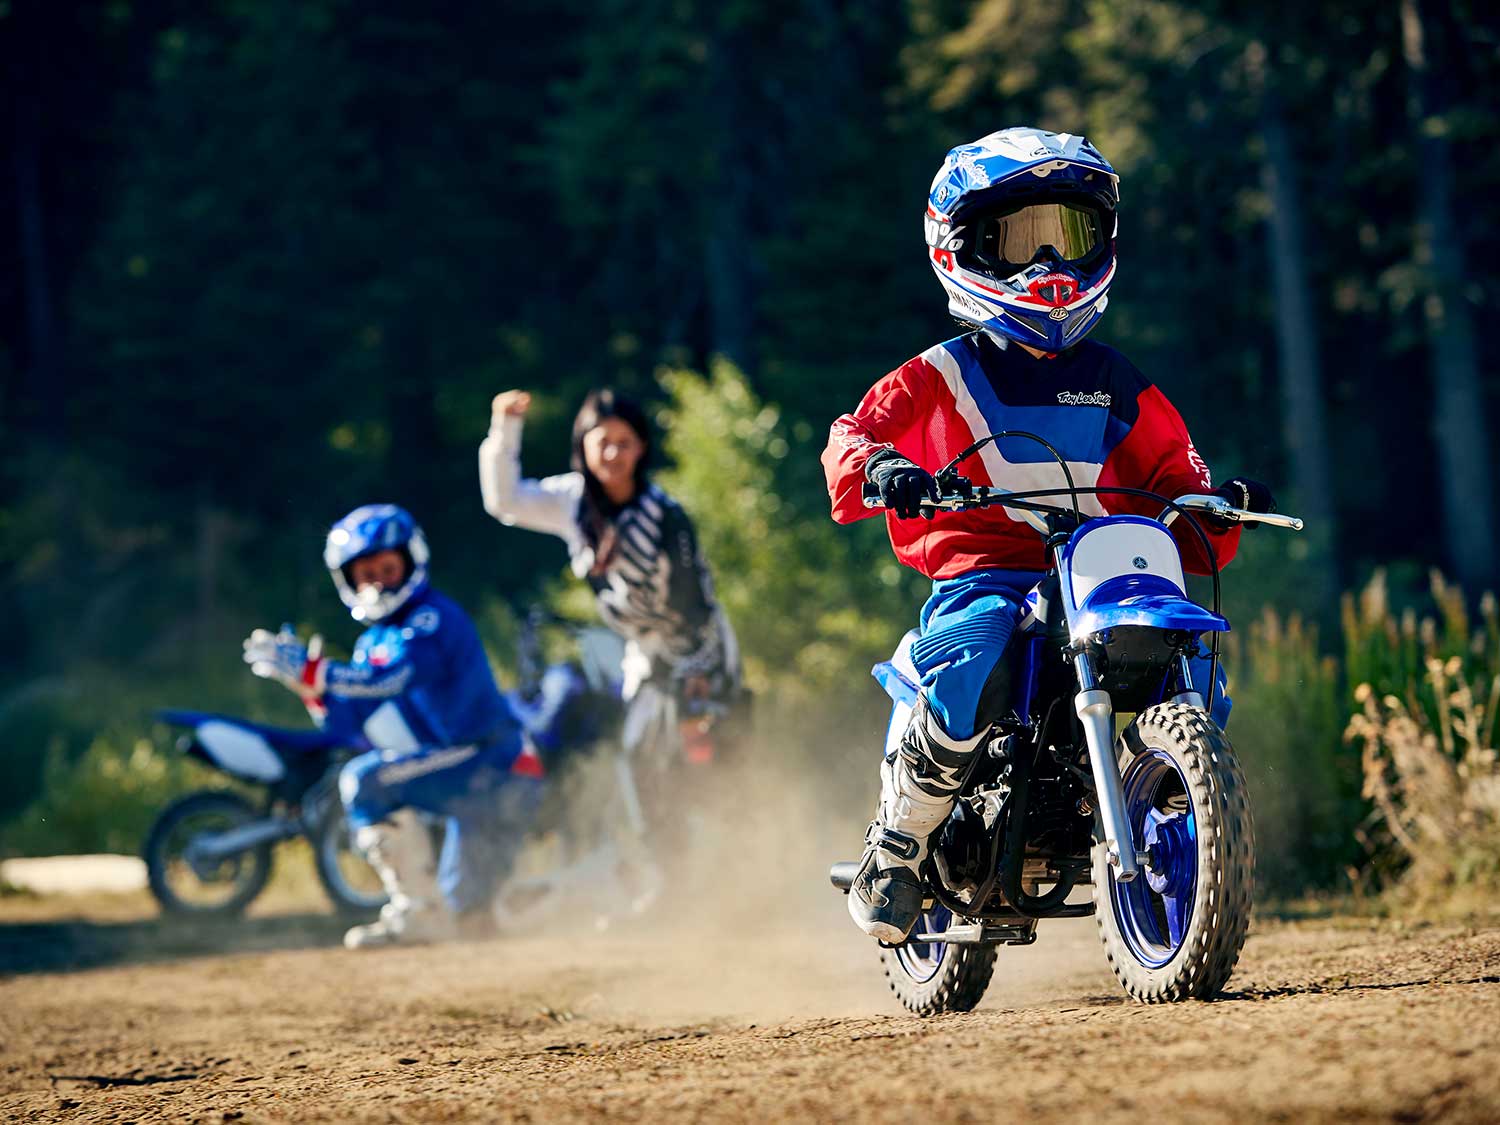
{"x": 420, "y": 678}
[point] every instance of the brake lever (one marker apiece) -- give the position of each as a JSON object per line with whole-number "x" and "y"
{"x": 1223, "y": 509}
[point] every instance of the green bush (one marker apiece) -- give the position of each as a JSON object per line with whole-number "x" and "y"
{"x": 103, "y": 768}
{"x": 1391, "y": 649}
{"x": 40, "y": 721}
{"x": 814, "y": 605}
{"x": 807, "y": 597}
{"x": 106, "y": 800}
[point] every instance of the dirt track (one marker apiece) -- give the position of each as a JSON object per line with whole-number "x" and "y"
{"x": 130, "y": 1020}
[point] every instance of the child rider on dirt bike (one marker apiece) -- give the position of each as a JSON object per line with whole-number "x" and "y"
{"x": 1020, "y": 230}
{"x": 420, "y": 689}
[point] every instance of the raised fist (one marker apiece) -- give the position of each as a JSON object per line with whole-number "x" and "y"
{"x": 510, "y": 404}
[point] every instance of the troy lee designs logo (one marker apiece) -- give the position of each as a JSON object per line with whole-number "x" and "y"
{"x": 1084, "y": 398}
{"x": 1054, "y": 289}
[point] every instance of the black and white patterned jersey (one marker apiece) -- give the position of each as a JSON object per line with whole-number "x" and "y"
{"x": 650, "y": 582}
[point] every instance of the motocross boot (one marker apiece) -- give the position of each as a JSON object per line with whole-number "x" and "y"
{"x": 400, "y": 851}
{"x": 917, "y": 787}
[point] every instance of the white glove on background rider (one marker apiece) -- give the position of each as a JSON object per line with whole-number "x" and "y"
{"x": 285, "y": 659}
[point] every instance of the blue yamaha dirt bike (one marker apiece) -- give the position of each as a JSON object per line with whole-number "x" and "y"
{"x": 1157, "y": 820}
{"x": 210, "y": 852}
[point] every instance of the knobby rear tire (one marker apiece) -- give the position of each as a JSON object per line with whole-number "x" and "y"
{"x": 330, "y": 839}
{"x": 1222, "y": 896}
{"x": 957, "y": 986}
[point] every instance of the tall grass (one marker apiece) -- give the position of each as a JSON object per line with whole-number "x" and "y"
{"x": 1286, "y": 724}
{"x": 1428, "y": 750}
{"x": 1376, "y": 772}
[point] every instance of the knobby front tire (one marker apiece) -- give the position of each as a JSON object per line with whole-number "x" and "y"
{"x": 234, "y": 882}
{"x": 1184, "y": 788}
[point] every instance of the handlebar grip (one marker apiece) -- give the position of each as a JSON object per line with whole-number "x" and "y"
{"x": 871, "y": 494}
{"x": 1274, "y": 519}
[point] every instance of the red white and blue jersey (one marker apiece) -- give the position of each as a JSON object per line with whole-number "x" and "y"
{"x": 1110, "y": 424}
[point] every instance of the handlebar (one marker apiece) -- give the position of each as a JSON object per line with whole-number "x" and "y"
{"x": 971, "y": 497}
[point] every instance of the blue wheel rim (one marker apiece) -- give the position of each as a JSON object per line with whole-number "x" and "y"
{"x": 1155, "y": 911}
{"x": 921, "y": 960}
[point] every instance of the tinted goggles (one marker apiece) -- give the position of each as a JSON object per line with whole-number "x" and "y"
{"x": 1017, "y": 238}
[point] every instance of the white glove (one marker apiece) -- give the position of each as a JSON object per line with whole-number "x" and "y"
{"x": 282, "y": 657}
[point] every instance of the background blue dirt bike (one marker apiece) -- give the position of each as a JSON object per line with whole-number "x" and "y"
{"x": 211, "y": 852}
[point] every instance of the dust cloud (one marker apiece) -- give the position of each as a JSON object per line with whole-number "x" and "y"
{"x": 747, "y": 925}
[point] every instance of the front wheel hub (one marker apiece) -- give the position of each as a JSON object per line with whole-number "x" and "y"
{"x": 1172, "y": 853}
{"x": 1155, "y": 912}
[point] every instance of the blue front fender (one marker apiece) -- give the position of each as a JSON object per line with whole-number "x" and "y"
{"x": 1157, "y": 611}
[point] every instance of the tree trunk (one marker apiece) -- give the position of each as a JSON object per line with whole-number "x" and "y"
{"x": 1304, "y": 424}
{"x": 1459, "y": 418}
{"x": 209, "y": 526}
{"x": 43, "y": 376}
{"x": 731, "y": 279}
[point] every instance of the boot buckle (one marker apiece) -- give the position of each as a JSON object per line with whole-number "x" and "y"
{"x": 898, "y": 844}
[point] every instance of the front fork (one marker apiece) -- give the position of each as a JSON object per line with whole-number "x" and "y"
{"x": 1097, "y": 715}
{"x": 1189, "y": 694}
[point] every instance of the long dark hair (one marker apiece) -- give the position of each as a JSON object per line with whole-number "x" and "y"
{"x": 600, "y": 405}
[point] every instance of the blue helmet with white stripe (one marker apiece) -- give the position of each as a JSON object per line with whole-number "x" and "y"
{"x": 365, "y": 531}
{"x": 1021, "y": 233}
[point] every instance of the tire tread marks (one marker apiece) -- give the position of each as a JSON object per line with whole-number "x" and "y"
{"x": 1221, "y": 915}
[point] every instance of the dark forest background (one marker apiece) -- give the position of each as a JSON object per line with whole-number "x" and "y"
{"x": 263, "y": 261}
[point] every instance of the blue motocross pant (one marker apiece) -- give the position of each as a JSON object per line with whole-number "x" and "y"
{"x": 487, "y": 808}
{"x": 966, "y": 627}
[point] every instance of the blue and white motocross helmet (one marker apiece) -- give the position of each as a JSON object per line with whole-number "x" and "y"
{"x": 1021, "y": 233}
{"x": 364, "y": 531}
